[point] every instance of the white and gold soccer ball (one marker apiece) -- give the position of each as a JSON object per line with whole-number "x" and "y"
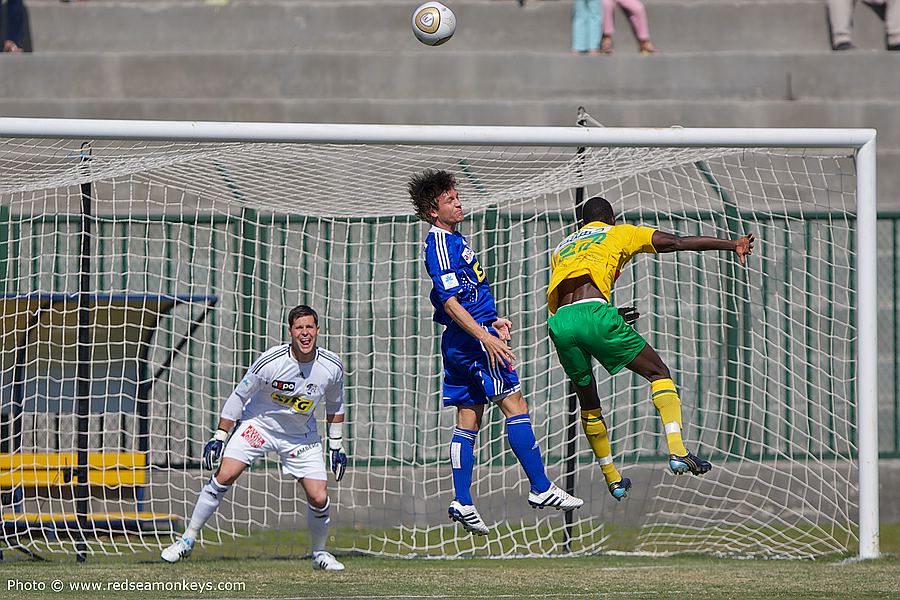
{"x": 433, "y": 23}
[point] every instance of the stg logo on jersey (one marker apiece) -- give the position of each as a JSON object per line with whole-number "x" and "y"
{"x": 284, "y": 386}
{"x": 298, "y": 403}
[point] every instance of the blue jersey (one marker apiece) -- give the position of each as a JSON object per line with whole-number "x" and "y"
{"x": 455, "y": 271}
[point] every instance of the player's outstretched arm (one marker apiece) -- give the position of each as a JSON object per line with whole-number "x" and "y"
{"x": 666, "y": 242}
{"x": 498, "y": 351}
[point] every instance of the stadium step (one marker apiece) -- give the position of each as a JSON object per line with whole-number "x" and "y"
{"x": 196, "y": 25}
{"x": 724, "y": 62}
{"x": 423, "y": 76}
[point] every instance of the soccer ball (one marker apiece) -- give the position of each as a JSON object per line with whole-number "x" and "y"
{"x": 433, "y": 23}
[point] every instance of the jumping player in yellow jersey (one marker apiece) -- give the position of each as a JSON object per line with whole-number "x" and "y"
{"x": 583, "y": 324}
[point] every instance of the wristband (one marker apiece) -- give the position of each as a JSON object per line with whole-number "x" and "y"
{"x": 335, "y": 436}
{"x": 220, "y": 435}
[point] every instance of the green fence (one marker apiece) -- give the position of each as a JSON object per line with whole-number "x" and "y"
{"x": 754, "y": 352}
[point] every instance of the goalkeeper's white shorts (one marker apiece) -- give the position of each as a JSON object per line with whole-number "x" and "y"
{"x": 251, "y": 440}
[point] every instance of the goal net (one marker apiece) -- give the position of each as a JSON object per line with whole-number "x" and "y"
{"x": 118, "y": 353}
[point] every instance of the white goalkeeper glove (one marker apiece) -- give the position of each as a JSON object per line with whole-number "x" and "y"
{"x": 212, "y": 452}
{"x": 336, "y": 448}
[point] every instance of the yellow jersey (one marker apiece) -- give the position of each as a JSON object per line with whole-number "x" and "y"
{"x": 600, "y": 251}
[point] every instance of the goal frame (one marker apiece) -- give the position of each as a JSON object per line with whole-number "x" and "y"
{"x": 861, "y": 141}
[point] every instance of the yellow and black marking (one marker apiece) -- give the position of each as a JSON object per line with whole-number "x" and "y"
{"x": 479, "y": 272}
{"x": 298, "y": 403}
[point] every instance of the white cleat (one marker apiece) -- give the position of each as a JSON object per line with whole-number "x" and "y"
{"x": 468, "y": 517}
{"x": 555, "y": 497}
{"x": 182, "y": 548}
{"x": 325, "y": 561}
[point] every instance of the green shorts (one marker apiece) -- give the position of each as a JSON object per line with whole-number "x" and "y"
{"x": 585, "y": 329}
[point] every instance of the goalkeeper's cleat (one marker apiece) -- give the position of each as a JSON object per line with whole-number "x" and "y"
{"x": 467, "y": 516}
{"x": 325, "y": 561}
{"x": 619, "y": 489}
{"x": 690, "y": 462}
{"x": 182, "y": 548}
{"x": 554, "y": 497}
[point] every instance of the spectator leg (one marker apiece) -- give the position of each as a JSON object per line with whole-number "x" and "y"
{"x": 16, "y": 24}
{"x": 609, "y": 12}
{"x": 586, "y": 17}
{"x": 637, "y": 15}
{"x": 892, "y": 22}
{"x": 840, "y": 17}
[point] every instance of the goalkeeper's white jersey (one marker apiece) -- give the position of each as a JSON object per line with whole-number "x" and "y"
{"x": 282, "y": 393}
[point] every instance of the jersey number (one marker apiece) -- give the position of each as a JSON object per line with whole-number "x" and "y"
{"x": 581, "y": 245}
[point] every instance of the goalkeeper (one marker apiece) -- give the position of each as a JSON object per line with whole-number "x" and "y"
{"x": 275, "y": 404}
{"x": 583, "y": 324}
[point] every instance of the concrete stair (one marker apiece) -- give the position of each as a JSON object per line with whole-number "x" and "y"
{"x": 482, "y": 76}
{"x": 762, "y": 63}
{"x": 383, "y": 25}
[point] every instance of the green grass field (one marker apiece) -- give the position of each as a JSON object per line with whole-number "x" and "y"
{"x": 475, "y": 579}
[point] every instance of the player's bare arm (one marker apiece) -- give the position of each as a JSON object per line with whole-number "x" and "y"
{"x": 667, "y": 242}
{"x": 498, "y": 351}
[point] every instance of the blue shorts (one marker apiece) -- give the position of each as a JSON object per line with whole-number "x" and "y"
{"x": 469, "y": 379}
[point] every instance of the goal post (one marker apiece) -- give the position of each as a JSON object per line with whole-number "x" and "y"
{"x": 262, "y": 215}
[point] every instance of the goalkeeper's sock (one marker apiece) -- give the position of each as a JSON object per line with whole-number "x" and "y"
{"x": 665, "y": 399}
{"x": 318, "y": 520}
{"x": 462, "y": 459}
{"x": 524, "y": 445}
{"x": 210, "y": 497}
{"x": 598, "y": 437}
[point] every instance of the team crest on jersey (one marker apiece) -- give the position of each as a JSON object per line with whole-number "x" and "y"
{"x": 468, "y": 255}
{"x": 284, "y": 386}
{"x": 449, "y": 280}
{"x": 312, "y": 389}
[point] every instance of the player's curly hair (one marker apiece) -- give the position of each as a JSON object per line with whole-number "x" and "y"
{"x": 302, "y": 311}
{"x": 424, "y": 189}
{"x": 597, "y": 209}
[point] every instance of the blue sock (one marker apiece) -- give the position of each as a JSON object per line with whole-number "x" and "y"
{"x": 462, "y": 459}
{"x": 524, "y": 445}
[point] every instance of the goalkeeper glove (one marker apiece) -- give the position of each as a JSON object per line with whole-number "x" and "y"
{"x": 630, "y": 314}
{"x": 336, "y": 448}
{"x": 212, "y": 452}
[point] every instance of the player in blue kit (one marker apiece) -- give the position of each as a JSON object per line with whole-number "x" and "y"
{"x": 478, "y": 365}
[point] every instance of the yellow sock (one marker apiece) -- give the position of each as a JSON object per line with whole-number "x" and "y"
{"x": 595, "y": 430}
{"x": 666, "y": 400}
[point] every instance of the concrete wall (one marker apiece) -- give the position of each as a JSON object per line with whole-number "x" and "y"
{"x": 724, "y": 63}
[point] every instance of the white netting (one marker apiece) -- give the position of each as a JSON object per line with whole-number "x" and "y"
{"x": 211, "y": 245}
